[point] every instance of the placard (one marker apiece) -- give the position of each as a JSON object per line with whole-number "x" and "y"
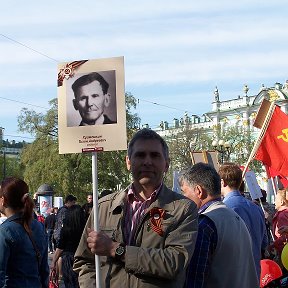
{"x": 91, "y": 106}
{"x": 253, "y": 186}
{"x": 208, "y": 157}
{"x": 176, "y": 186}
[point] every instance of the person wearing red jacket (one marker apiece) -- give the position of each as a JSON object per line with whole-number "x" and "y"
{"x": 280, "y": 220}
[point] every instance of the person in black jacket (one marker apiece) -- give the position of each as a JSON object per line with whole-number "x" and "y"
{"x": 70, "y": 200}
{"x": 70, "y": 235}
{"x": 87, "y": 207}
{"x": 49, "y": 226}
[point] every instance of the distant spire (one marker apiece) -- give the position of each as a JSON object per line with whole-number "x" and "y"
{"x": 246, "y": 89}
{"x": 216, "y": 93}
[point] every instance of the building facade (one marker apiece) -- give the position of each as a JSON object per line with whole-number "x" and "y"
{"x": 240, "y": 111}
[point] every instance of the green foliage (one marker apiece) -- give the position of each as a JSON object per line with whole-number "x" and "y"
{"x": 180, "y": 145}
{"x": 11, "y": 166}
{"x": 182, "y": 142}
{"x": 70, "y": 173}
{"x": 39, "y": 124}
{"x": 132, "y": 119}
{"x": 241, "y": 143}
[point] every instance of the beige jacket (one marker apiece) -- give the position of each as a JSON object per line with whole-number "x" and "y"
{"x": 154, "y": 261}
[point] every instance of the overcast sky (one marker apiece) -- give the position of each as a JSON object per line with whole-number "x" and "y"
{"x": 175, "y": 52}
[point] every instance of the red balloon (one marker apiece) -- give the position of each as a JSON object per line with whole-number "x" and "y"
{"x": 270, "y": 271}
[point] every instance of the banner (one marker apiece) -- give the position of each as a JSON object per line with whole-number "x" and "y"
{"x": 254, "y": 188}
{"x": 272, "y": 151}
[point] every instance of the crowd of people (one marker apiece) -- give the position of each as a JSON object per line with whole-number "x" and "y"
{"x": 210, "y": 235}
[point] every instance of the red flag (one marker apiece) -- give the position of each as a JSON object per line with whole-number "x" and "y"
{"x": 273, "y": 173}
{"x": 273, "y": 150}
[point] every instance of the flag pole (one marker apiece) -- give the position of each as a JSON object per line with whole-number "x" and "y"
{"x": 261, "y": 204}
{"x": 260, "y": 136}
{"x": 271, "y": 179}
{"x": 96, "y": 214}
{"x": 273, "y": 185}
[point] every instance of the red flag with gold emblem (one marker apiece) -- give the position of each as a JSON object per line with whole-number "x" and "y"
{"x": 273, "y": 150}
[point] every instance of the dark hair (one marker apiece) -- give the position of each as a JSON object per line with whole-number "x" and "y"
{"x": 74, "y": 222}
{"x": 16, "y": 194}
{"x": 204, "y": 175}
{"x": 231, "y": 173}
{"x": 89, "y": 78}
{"x": 264, "y": 195}
{"x": 70, "y": 198}
{"x": 148, "y": 134}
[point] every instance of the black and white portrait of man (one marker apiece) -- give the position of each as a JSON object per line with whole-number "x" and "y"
{"x": 92, "y": 99}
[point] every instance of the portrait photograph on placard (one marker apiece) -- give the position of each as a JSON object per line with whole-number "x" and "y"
{"x": 91, "y": 99}
{"x": 91, "y": 106}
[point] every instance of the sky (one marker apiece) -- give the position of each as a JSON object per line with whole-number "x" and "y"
{"x": 175, "y": 52}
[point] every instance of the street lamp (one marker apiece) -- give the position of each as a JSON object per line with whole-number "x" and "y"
{"x": 193, "y": 145}
{"x": 224, "y": 148}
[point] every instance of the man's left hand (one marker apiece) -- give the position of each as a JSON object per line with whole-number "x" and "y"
{"x": 101, "y": 244}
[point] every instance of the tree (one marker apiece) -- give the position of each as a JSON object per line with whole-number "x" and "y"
{"x": 9, "y": 162}
{"x": 185, "y": 140}
{"x": 38, "y": 124}
{"x": 181, "y": 143}
{"x": 241, "y": 142}
{"x": 70, "y": 173}
{"x": 10, "y": 166}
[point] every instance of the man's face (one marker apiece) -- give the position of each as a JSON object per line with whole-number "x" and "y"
{"x": 89, "y": 198}
{"x": 90, "y": 101}
{"x": 147, "y": 163}
{"x": 191, "y": 193}
{"x": 70, "y": 203}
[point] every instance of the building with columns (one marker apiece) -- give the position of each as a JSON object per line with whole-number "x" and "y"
{"x": 240, "y": 111}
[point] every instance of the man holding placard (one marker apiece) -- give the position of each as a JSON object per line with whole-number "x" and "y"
{"x": 147, "y": 232}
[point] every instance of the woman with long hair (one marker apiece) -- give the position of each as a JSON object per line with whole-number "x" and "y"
{"x": 70, "y": 235}
{"x": 23, "y": 240}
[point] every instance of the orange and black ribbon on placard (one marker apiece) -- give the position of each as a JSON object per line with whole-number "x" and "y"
{"x": 68, "y": 71}
{"x": 156, "y": 217}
